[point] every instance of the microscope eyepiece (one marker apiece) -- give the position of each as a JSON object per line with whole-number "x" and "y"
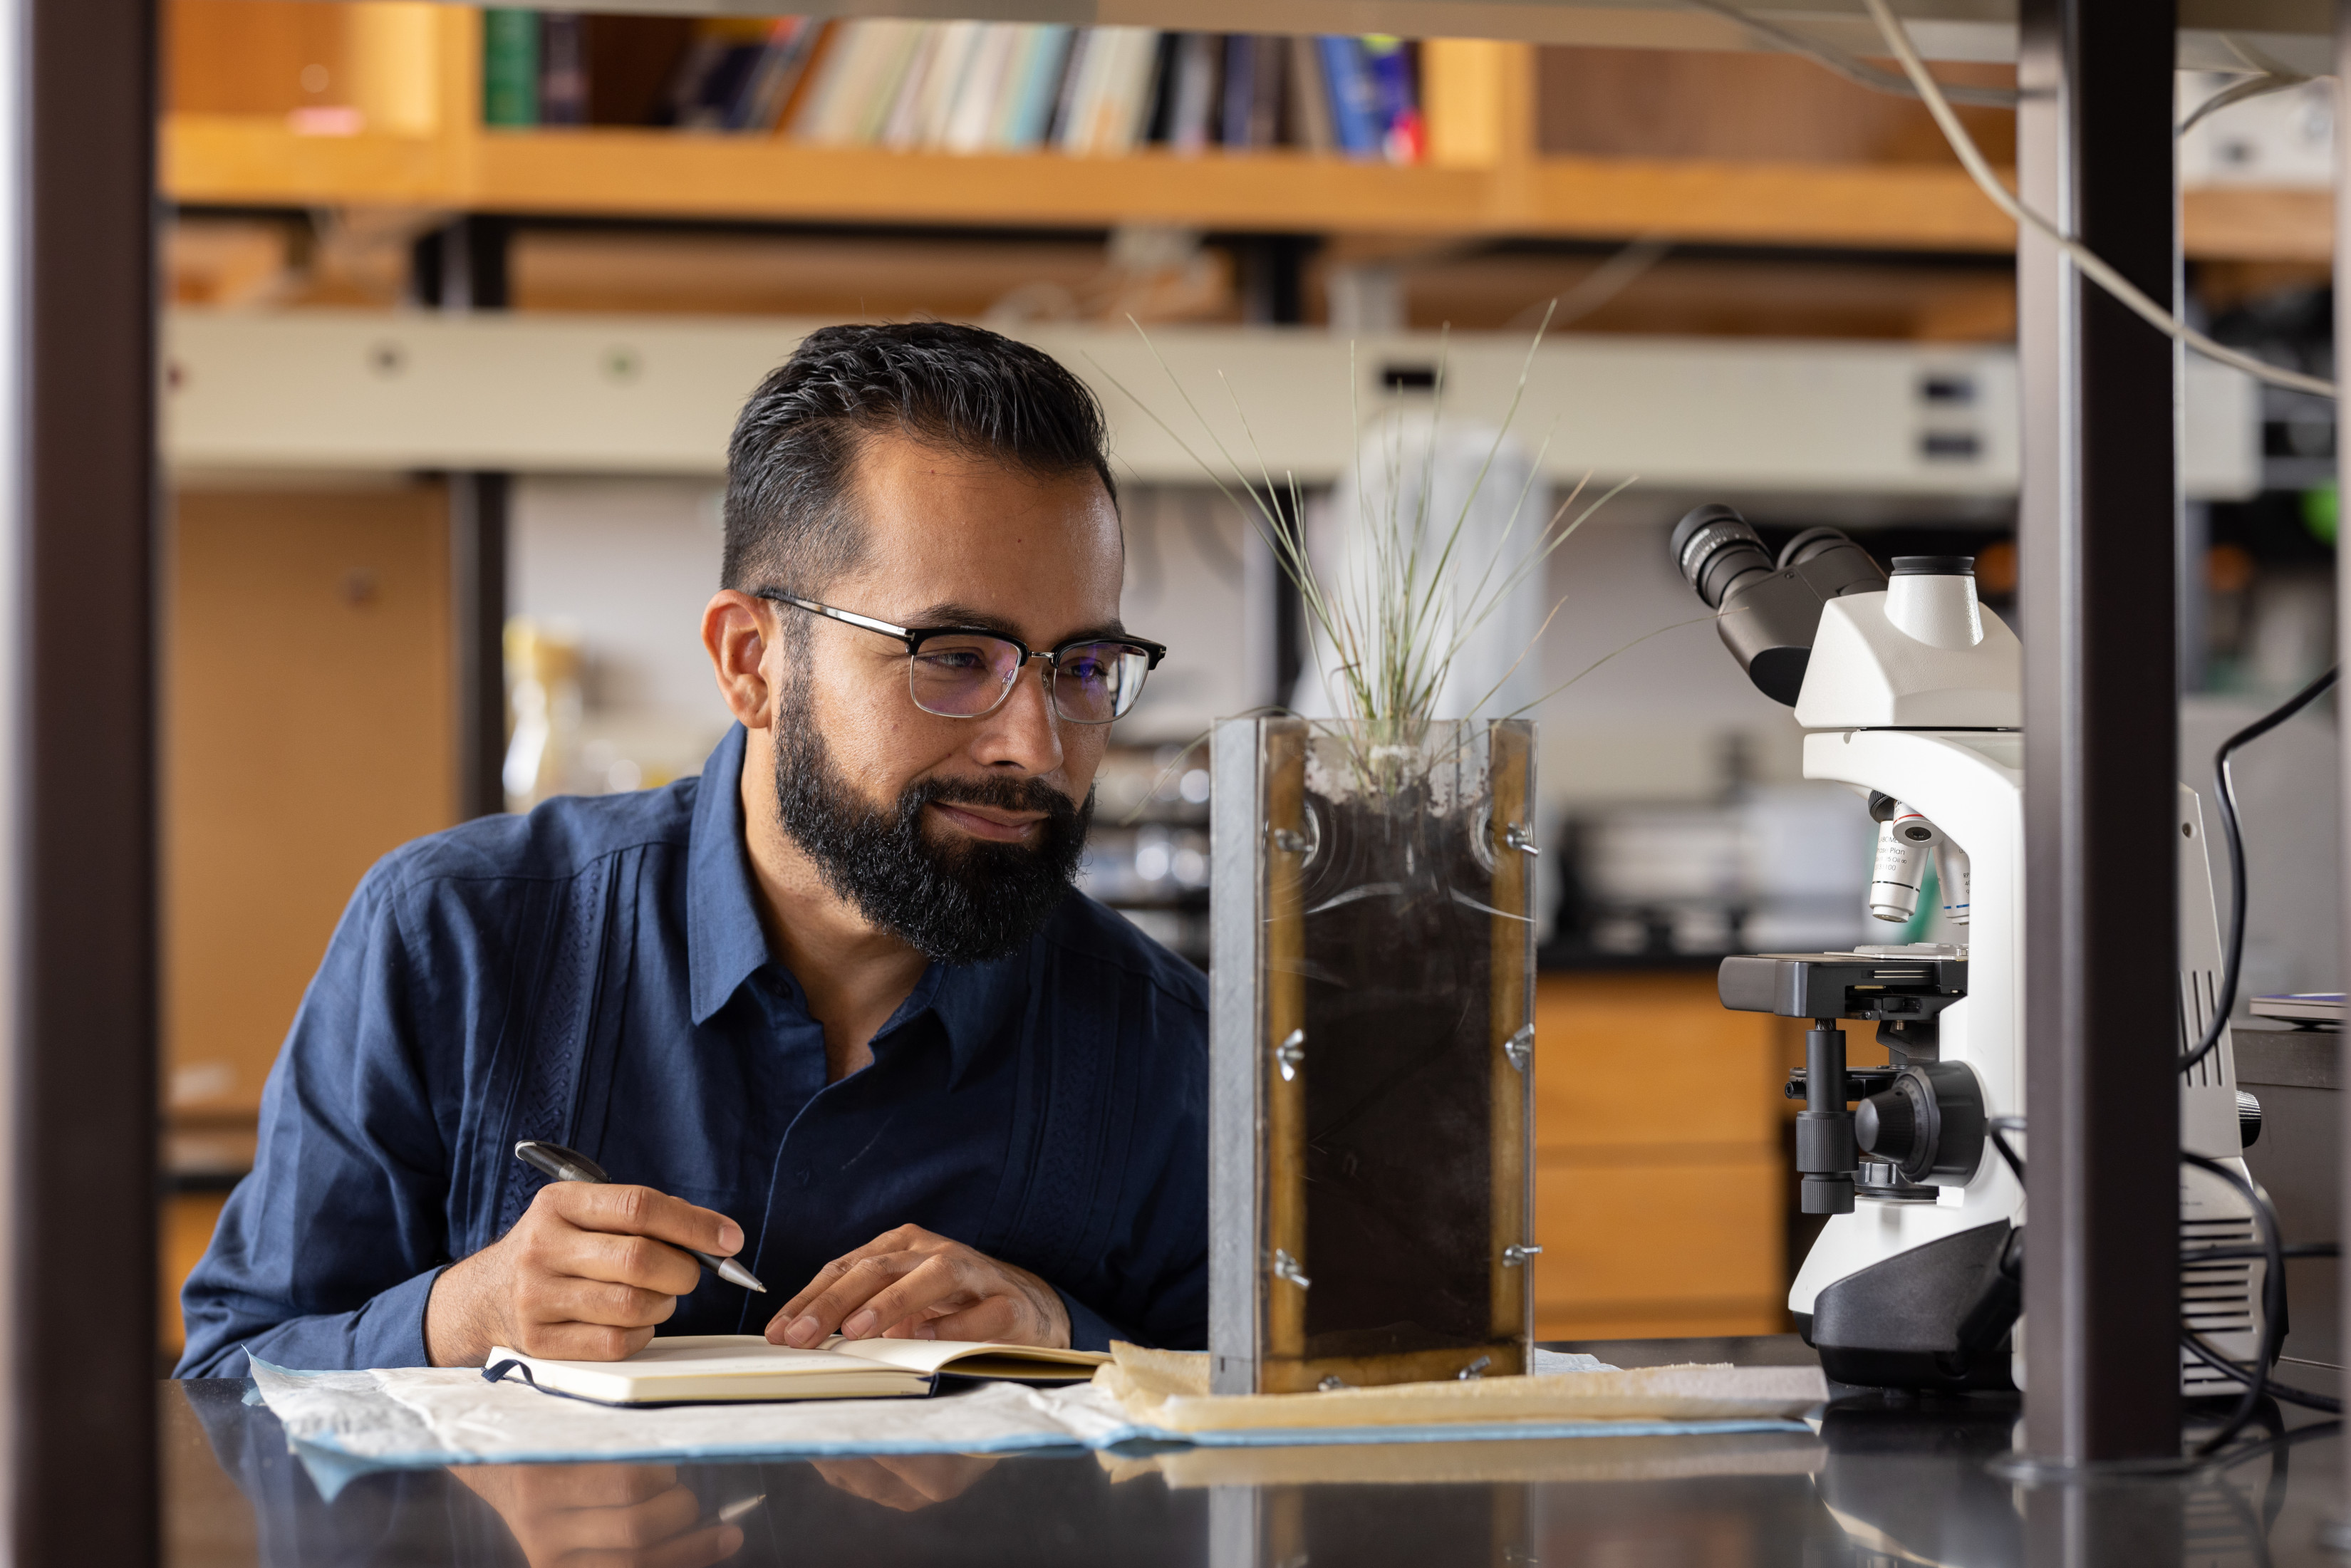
{"x": 1717, "y": 551}
{"x": 1770, "y": 610}
{"x": 1809, "y": 545}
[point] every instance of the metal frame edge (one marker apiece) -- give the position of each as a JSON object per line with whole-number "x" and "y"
{"x": 1236, "y": 852}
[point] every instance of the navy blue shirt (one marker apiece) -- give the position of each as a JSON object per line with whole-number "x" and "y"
{"x": 596, "y": 974}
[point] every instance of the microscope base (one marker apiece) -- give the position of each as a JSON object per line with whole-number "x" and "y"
{"x": 1899, "y": 1323}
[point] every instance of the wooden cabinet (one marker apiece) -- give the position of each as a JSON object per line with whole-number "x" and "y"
{"x": 1660, "y": 1183}
{"x": 308, "y": 728}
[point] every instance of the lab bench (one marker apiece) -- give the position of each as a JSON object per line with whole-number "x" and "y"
{"x": 1879, "y": 1479}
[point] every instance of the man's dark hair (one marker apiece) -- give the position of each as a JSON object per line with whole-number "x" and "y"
{"x": 789, "y": 520}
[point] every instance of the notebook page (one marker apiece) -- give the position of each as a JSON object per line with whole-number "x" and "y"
{"x": 934, "y": 1356}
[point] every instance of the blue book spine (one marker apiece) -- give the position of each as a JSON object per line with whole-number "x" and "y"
{"x": 1354, "y": 118}
{"x": 1391, "y": 72}
{"x": 1042, "y": 88}
{"x": 1240, "y": 89}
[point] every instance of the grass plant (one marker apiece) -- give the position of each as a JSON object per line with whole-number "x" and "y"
{"x": 1387, "y": 635}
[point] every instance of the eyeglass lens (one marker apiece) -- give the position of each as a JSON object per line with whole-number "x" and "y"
{"x": 966, "y": 675}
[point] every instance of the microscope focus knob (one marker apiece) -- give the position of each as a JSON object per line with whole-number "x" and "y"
{"x": 1928, "y": 1122}
{"x": 1886, "y": 1124}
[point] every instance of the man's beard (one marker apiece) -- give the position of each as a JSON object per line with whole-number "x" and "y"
{"x": 958, "y": 902}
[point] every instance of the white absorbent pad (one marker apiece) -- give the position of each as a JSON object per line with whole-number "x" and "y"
{"x": 344, "y": 1422}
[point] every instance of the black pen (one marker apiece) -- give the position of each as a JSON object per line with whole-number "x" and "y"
{"x": 565, "y": 1165}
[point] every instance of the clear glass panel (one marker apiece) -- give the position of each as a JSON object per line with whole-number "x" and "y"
{"x": 1398, "y": 904}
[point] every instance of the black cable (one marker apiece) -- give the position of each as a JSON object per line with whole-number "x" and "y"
{"x": 2280, "y": 1443}
{"x": 1998, "y": 1127}
{"x": 2196, "y": 1346}
{"x": 2226, "y": 792}
{"x": 2230, "y": 1254}
{"x": 2273, "y": 1252}
{"x": 2256, "y": 1378}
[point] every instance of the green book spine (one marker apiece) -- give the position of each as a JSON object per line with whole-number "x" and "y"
{"x": 509, "y": 67}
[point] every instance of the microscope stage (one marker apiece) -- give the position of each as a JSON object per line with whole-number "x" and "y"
{"x": 1884, "y": 986}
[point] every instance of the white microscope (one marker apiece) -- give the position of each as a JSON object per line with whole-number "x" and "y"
{"x": 1908, "y": 691}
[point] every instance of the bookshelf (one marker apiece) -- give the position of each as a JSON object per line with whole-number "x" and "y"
{"x": 1483, "y": 177}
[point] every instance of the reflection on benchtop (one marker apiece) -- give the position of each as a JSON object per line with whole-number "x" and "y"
{"x": 1883, "y": 1479}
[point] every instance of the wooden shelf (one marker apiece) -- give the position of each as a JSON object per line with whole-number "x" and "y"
{"x": 1485, "y": 177}
{"x": 227, "y": 161}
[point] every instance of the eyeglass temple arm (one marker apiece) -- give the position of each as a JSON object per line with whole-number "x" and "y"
{"x": 847, "y": 617}
{"x": 907, "y": 634}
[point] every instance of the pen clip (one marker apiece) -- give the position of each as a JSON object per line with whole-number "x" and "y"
{"x": 555, "y": 1161}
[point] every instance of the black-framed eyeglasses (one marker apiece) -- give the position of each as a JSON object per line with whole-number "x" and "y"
{"x": 966, "y": 671}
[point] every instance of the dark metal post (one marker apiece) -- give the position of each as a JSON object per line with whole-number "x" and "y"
{"x": 2340, "y": 1529}
{"x": 462, "y": 268}
{"x": 2099, "y": 506}
{"x": 78, "y": 500}
{"x": 477, "y": 593}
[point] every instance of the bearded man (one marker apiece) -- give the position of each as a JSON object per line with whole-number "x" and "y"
{"x": 831, "y": 1010}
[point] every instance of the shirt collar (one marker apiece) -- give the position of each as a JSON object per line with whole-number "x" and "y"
{"x": 727, "y": 945}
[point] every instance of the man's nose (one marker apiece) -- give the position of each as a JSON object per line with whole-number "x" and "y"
{"x": 1025, "y": 732}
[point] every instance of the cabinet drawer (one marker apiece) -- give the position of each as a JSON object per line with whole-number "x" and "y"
{"x": 1628, "y": 1060}
{"x": 1633, "y": 1236}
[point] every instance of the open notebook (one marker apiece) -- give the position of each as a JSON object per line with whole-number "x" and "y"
{"x": 713, "y": 1368}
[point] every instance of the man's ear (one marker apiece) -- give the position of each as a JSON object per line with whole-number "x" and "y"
{"x": 737, "y": 631}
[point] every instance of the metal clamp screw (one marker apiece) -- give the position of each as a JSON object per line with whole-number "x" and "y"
{"x": 1521, "y": 837}
{"x": 1517, "y": 1257}
{"x": 1290, "y": 1054}
{"x": 1285, "y": 1267}
{"x": 1520, "y": 1048}
{"x": 1472, "y": 1372}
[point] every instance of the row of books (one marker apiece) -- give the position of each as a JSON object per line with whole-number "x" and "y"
{"x": 985, "y": 87}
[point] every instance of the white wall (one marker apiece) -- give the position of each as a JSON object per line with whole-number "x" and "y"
{"x": 1647, "y": 695}
{"x": 627, "y": 564}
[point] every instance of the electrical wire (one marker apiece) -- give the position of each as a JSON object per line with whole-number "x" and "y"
{"x": 1858, "y": 71}
{"x": 2231, "y": 1254}
{"x": 2240, "y": 90}
{"x": 1998, "y": 1128}
{"x": 2225, "y": 789}
{"x": 1595, "y": 288}
{"x": 2204, "y": 1352}
{"x": 2094, "y": 268}
{"x": 2255, "y": 1378}
{"x": 2274, "y": 1252}
{"x": 2279, "y": 1443}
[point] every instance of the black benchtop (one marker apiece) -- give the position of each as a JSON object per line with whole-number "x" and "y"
{"x": 1886, "y": 1481}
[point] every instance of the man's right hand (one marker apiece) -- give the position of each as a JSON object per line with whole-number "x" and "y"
{"x": 583, "y": 1277}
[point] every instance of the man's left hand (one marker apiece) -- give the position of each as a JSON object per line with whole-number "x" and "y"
{"x": 910, "y": 1284}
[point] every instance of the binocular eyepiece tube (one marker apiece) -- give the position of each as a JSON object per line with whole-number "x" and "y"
{"x": 1768, "y": 610}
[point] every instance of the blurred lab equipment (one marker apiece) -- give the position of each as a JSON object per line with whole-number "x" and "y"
{"x": 1773, "y": 866}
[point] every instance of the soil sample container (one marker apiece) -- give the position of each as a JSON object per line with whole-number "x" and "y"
{"x": 1371, "y": 971}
